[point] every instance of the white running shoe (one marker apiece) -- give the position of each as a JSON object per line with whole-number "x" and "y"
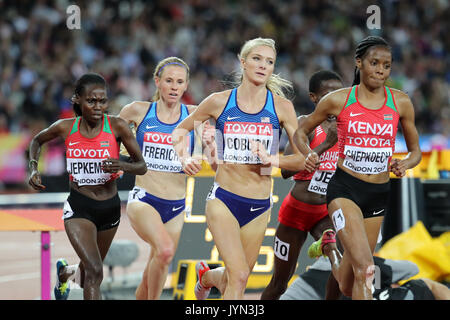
{"x": 201, "y": 292}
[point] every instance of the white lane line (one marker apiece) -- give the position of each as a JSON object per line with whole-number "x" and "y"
{"x": 20, "y": 276}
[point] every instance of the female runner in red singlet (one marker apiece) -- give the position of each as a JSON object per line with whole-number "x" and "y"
{"x": 367, "y": 117}
{"x": 304, "y": 209}
{"x": 92, "y": 210}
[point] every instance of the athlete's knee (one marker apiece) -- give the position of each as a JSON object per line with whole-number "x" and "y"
{"x": 239, "y": 277}
{"x": 166, "y": 253}
{"x": 278, "y": 286}
{"x": 360, "y": 272}
{"x": 145, "y": 275}
{"x": 364, "y": 273}
{"x": 93, "y": 273}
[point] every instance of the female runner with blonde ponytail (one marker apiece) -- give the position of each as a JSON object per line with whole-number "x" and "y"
{"x": 249, "y": 119}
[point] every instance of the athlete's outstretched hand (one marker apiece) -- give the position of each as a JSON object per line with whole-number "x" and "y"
{"x": 35, "y": 180}
{"x": 398, "y": 167}
{"x": 111, "y": 165}
{"x": 312, "y": 161}
{"x": 259, "y": 150}
{"x": 191, "y": 166}
{"x": 208, "y": 135}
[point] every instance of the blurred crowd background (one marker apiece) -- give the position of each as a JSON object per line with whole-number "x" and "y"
{"x": 40, "y": 58}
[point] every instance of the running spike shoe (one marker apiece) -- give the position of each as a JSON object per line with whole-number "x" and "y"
{"x": 315, "y": 250}
{"x": 61, "y": 289}
{"x": 201, "y": 292}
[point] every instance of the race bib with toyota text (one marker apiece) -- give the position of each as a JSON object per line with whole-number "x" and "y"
{"x": 237, "y": 137}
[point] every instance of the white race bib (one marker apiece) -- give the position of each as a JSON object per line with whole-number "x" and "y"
{"x": 367, "y": 160}
{"x": 319, "y": 181}
{"x": 237, "y": 137}
{"x": 158, "y": 152}
{"x": 87, "y": 171}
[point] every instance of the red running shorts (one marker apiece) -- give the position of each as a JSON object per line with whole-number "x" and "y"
{"x": 300, "y": 215}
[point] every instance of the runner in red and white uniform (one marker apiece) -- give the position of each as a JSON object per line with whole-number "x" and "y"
{"x": 358, "y": 194}
{"x": 92, "y": 210}
{"x": 304, "y": 209}
{"x": 85, "y": 155}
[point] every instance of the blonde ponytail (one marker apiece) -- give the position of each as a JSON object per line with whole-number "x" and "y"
{"x": 280, "y": 86}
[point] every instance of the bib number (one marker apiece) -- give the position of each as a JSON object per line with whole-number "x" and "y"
{"x": 281, "y": 249}
{"x": 319, "y": 182}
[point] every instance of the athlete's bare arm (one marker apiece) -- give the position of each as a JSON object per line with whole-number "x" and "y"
{"x": 288, "y": 120}
{"x": 331, "y": 104}
{"x": 288, "y": 150}
{"x": 125, "y": 135}
{"x": 58, "y": 129}
{"x": 406, "y": 112}
{"x": 206, "y": 132}
{"x": 211, "y": 107}
{"x": 134, "y": 112}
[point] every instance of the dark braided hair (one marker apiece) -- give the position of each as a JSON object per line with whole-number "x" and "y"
{"x": 361, "y": 51}
{"x": 315, "y": 82}
{"x": 81, "y": 84}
